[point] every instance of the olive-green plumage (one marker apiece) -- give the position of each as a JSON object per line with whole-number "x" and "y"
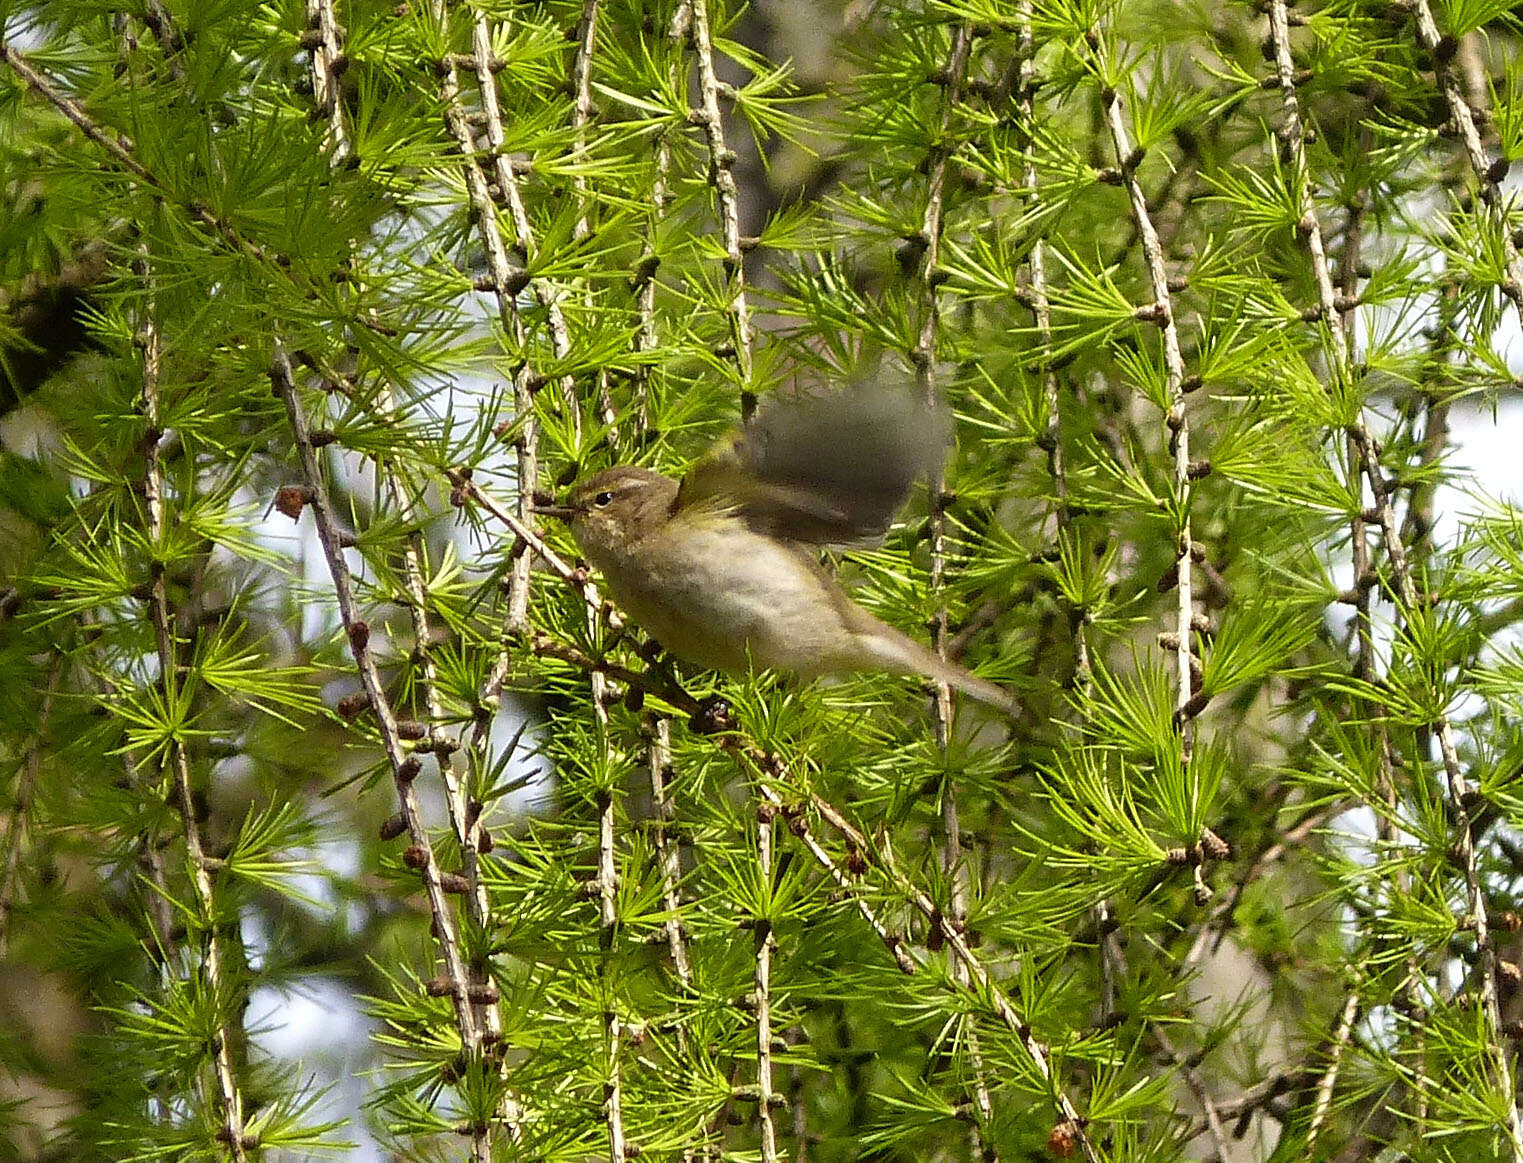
{"x": 721, "y": 570}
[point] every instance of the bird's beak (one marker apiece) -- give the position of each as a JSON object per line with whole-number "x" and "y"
{"x": 562, "y": 512}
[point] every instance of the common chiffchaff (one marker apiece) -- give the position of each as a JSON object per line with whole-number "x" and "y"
{"x": 721, "y": 568}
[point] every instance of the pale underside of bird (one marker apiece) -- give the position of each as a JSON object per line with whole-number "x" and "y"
{"x": 722, "y": 568}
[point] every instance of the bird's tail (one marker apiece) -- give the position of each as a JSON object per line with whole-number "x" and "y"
{"x": 890, "y": 650}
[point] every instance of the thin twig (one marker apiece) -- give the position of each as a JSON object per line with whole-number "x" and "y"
{"x": 1210, "y": 1114}
{"x": 1415, "y": 528}
{"x": 658, "y": 754}
{"x": 404, "y": 766}
{"x": 722, "y": 176}
{"x": 21, "y": 802}
{"x": 505, "y": 280}
{"x": 326, "y": 53}
{"x": 765, "y": 944}
{"x": 214, "y": 963}
{"x": 608, "y": 918}
{"x": 1342, "y": 1032}
{"x": 1261, "y": 1096}
{"x": 1365, "y": 450}
{"x": 1214, "y": 929}
{"x": 1488, "y": 175}
{"x": 119, "y": 148}
{"x": 1161, "y": 312}
{"x": 924, "y": 360}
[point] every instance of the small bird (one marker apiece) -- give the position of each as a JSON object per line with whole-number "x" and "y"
{"x": 721, "y": 568}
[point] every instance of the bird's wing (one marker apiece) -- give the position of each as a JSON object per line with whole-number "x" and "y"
{"x": 829, "y": 470}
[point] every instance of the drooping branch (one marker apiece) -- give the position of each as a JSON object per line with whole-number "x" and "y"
{"x": 214, "y": 967}
{"x": 405, "y": 765}
{"x": 1188, "y": 699}
{"x": 1365, "y": 452}
{"x": 21, "y": 802}
{"x": 322, "y": 39}
{"x": 1488, "y": 174}
{"x": 466, "y": 815}
{"x": 923, "y": 358}
{"x": 727, "y": 193}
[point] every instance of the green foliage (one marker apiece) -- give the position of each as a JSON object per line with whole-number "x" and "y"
{"x": 1242, "y": 875}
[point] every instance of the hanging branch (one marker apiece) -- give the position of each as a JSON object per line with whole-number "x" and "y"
{"x": 214, "y": 960}
{"x": 322, "y": 40}
{"x": 214, "y": 968}
{"x": 581, "y": 117}
{"x": 1488, "y": 174}
{"x": 1342, "y": 1034}
{"x": 1051, "y": 440}
{"x": 465, "y": 815}
{"x": 505, "y": 279}
{"x": 608, "y": 917}
{"x": 581, "y": 81}
{"x": 607, "y": 883}
{"x": 504, "y": 190}
{"x": 1406, "y": 591}
{"x": 1188, "y": 703}
{"x": 608, "y": 875}
{"x": 404, "y": 765}
{"x": 658, "y": 728}
{"x": 1340, "y": 311}
{"x": 765, "y": 945}
{"x": 21, "y": 802}
{"x": 722, "y": 177}
{"x": 924, "y": 359}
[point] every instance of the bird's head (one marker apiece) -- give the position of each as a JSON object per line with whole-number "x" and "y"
{"x": 615, "y": 509}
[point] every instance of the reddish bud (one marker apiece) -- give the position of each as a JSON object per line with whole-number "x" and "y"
{"x": 291, "y": 499}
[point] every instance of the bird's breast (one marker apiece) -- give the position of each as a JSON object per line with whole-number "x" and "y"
{"x": 717, "y": 593}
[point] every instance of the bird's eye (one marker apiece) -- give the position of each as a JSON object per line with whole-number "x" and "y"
{"x": 602, "y": 499}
